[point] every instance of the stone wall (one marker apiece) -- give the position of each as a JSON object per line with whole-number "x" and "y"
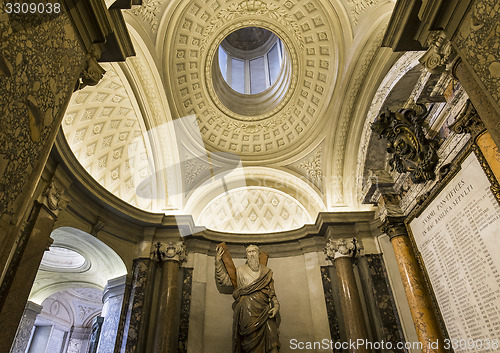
{"x": 40, "y": 61}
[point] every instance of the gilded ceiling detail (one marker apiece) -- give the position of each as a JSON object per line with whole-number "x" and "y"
{"x": 253, "y": 210}
{"x": 103, "y": 130}
{"x": 308, "y": 37}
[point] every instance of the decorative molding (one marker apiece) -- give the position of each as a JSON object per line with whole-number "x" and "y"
{"x": 358, "y": 7}
{"x": 148, "y": 12}
{"x": 311, "y": 167}
{"x": 411, "y": 150}
{"x": 349, "y": 104}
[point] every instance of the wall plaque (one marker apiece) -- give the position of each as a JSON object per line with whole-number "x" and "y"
{"x": 458, "y": 236}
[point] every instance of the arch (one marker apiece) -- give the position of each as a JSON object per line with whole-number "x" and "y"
{"x": 270, "y": 178}
{"x": 368, "y": 141}
{"x": 105, "y": 264}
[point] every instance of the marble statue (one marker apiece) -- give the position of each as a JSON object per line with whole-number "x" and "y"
{"x": 255, "y": 308}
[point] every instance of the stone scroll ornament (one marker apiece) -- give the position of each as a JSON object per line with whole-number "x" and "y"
{"x": 411, "y": 151}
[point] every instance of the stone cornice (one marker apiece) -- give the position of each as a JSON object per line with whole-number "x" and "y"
{"x": 413, "y": 21}
{"x": 101, "y": 29}
{"x": 403, "y": 23}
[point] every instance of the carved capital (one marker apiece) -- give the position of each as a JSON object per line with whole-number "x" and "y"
{"x": 173, "y": 251}
{"x": 394, "y": 227}
{"x": 410, "y": 150}
{"x": 468, "y": 121}
{"x": 92, "y": 72}
{"x": 342, "y": 248}
{"x": 440, "y": 53}
{"x": 54, "y": 197}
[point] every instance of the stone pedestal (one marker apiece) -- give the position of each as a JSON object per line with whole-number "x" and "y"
{"x": 341, "y": 252}
{"x": 111, "y": 310}
{"x": 25, "y": 327}
{"x": 421, "y": 307}
{"x": 166, "y": 324}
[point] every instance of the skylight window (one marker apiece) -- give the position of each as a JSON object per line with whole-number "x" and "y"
{"x": 250, "y": 60}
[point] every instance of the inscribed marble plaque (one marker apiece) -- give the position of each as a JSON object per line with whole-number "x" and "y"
{"x": 458, "y": 236}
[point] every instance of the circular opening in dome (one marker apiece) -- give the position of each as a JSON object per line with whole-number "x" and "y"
{"x": 251, "y": 73}
{"x": 251, "y": 59}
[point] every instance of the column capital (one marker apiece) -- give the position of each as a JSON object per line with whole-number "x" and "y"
{"x": 337, "y": 248}
{"x": 54, "y": 197}
{"x": 394, "y": 227}
{"x": 468, "y": 121}
{"x": 440, "y": 55}
{"x": 173, "y": 251}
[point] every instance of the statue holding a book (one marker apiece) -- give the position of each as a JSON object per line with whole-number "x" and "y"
{"x": 255, "y": 307}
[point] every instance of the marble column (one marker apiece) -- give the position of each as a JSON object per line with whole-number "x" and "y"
{"x": 166, "y": 325}
{"x": 487, "y": 112}
{"x": 23, "y": 334}
{"x": 95, "y": 334}
{"x": 470, "y": 122}
{"x": 421, "y": 307}
{"x": 137, "y": 313}
{"x": 341, "y": 253}
{"x": 377, "y": 324}
{"x": 111, "y": 310}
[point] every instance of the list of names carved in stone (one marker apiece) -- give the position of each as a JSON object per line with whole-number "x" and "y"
{"x": 456, "y": 238}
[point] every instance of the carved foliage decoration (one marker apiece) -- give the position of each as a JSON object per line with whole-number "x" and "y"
{"x": 411, "y": 151}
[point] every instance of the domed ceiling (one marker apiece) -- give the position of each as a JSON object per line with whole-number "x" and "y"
{"x": 160, "y": 111}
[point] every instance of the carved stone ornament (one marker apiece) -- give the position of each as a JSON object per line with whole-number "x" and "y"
{"x": 468, "y": 121}
{"x": 440, "y": 53}
{"x": 411, "y": 150}
{"x": 174, "y": 251}
{"x": 92, "y": 73}
{"x": 394, "y": 227}
{"x": 55, "y": 198}
{"x": 342, "y": 248}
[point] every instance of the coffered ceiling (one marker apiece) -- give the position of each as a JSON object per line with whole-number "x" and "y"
{"x": 186, "y": 135}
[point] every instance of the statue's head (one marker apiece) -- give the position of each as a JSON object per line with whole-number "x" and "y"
{"x": 253, "y": 253}
{"x": 252, "y": 249}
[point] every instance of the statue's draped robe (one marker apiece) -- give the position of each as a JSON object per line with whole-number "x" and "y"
{"x": 253, "y": 330}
